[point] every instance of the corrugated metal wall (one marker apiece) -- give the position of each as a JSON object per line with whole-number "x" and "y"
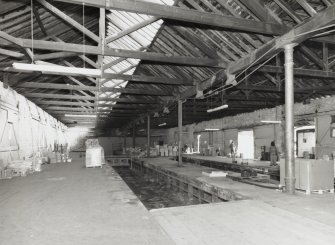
{"x": 25, "y": 128}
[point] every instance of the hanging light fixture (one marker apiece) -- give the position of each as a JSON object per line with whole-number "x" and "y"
{"x": 166, "y": 110}
{"x": 74, "y": 115}
{"x": 156, "y": 114}
{"x": 217, "y": 108}
{"x": 270, "y": 121}
{"x": 57, "y": 69}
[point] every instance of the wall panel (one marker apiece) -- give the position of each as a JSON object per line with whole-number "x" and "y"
{"x": 25, "y": 129}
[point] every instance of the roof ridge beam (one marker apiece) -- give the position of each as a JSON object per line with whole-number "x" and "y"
{"x": 186, "y": 15}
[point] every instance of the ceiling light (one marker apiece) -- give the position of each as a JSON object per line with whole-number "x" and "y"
{"x": 217, "y": 108}
{"x": 74, "y": 115}
{"x": 269, "y": 121}
{"x": 212, "y": 129}
{"x": 57, "y": 69}
{"x": 162, "y": 124}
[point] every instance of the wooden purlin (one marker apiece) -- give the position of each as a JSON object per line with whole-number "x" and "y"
{"x": 78, "y": 48}
{"x": 80, "y": 97}
{"x": 93, "y": 88}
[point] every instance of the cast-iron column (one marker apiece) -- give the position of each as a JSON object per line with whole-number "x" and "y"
{"x": 134, "y": 135}
{"x": 148, "y": 135}
{"x": 180, "y": 130}
{"x": 289, "y": 120}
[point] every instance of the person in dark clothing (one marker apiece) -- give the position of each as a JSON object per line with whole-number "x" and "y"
{"x": 232, "y": 148}
{"x": 273, "y": 154}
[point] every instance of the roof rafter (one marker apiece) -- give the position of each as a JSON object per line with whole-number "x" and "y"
{"x": 68, "y": 19}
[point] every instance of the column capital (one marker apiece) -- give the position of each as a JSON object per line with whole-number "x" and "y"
{"x": 290, "y": 46}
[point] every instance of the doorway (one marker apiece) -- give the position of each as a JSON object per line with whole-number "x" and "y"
{"x": 305, "y": 141}
{"x": 245, "y": 147}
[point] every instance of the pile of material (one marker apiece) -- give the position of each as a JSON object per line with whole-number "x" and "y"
{"x": 6, "y": 173}
{"x": 20, "y": 167}
{"x": 133, "y": 151}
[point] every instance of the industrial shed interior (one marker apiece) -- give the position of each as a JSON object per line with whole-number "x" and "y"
{"x": 167, "y": 122}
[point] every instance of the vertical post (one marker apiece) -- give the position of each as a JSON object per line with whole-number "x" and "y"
{"x": 148, "y": 135}
{"x": 289, "y": 120}
{"x": 101, "y": 45}
{"x": 190, "y": 191}
{"x": 325, "y": 56}
{"x": 278, "y": 63}
{"x": 180, "y": 130}
{"x": 134, "y": 135}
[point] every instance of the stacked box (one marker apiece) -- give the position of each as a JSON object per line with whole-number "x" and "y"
{"x": 37, "y": 162}
{"x": 93, "y": 157}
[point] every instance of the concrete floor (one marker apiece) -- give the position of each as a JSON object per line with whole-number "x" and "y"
{"x": 69, "y": 204}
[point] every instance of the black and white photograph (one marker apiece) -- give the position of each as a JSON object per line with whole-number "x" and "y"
{"x": 167, "y": 122}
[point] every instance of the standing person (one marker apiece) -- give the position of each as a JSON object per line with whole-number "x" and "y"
{"x": 232, "y": 149}
{"x": 273, "y": 154}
